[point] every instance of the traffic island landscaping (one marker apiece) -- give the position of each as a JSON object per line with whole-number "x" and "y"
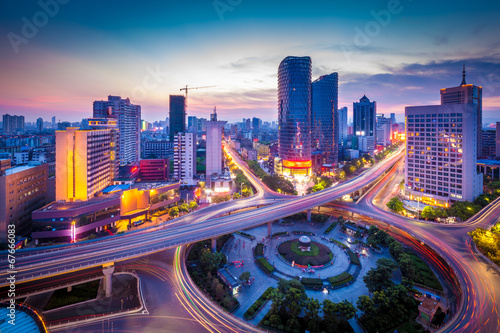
{"x": 318, "y": 255}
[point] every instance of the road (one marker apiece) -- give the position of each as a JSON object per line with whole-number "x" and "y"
{"x": 32, "y": 264}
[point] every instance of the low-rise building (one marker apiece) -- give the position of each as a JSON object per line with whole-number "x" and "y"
{"x": 154, "y": 169}
{"x": 229, "y": 280}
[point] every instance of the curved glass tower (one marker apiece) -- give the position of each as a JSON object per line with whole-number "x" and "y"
{"x": 325, "y": 127}
{"x": 294, "y": 115}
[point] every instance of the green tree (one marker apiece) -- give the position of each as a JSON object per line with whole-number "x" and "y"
{"x": 380, "y": 277}
{"x": 193, "y": 205}
{"x": 173, "y": 212}
{"x": 244, "y": 276}
{"x": 210, "y": 261}
{"x": 407, "y": 267}
{"x": 246, "y": 192}
{"x": 183, "y": 208}
{"x": 428, "y": 213}
{"x": 396, "y": 205}
{"x": 312, "y": 307}
{"x": 236, "y": 195}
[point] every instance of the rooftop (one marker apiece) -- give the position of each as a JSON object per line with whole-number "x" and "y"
{"x": 151, "y": 185}
{"x": 17, "y": 169}
{"x": 55, "y": 206}
{"x": 429, "y": 304}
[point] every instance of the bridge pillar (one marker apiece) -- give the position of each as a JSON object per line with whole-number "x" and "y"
{"x": 108, "y": 270}
{"x": 69, "y": 288}
{"x": 269, "y": 228}
{"x": 214, "y": 245}
{"x": 309, "y": 215}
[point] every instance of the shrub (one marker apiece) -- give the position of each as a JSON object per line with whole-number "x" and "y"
{"x": 265, "y": 265}
{"x": 259, "y": 250}
{"x": 266, "y": 322}
{"x": 340, "y": 279}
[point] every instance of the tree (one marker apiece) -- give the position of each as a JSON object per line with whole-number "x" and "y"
{"x": 380, "y": 277}
{"x": 245, "y": 276}
{"x": 193, "y": 205}
{"x": 407, "y": 267}
{"x": 236, "y": 195}
{"x": 183, "y": 208}
{"x": 173, "y": 212}
{"x": 312, "y": 307}
{"x": 210, "y": 261}
{"x": 428, "y": 213}
{"x": 246, "y": 192}
{"x": 396, "y": 205}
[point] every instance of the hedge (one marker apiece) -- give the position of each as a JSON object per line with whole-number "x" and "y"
{"x": 280, "y": 233}
{"x": 342, "y": 245}
{"x": 258, "y": 303}
{"x": 331, "y": 227}
{"x": 340, "y": 279}
{"x": 354, "y": 257}
{"x": 312, "y": 282}
{"x": 265, "y": 265}
{"x": 259, "y": 250}
{"x": 244, "y": 234}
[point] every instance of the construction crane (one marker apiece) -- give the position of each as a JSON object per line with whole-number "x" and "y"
{"x": 186, "y": 88}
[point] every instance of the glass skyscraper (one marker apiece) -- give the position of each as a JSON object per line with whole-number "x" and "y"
{"x": 325, "y": 127}
{"x": 364, "y": 117}
{"x": 294, "y": 115}
{"x": 177, "y": 115}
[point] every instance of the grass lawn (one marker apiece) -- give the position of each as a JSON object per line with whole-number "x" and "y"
{"x": 425, "y": 275}
{"x": 319, "y": 254}
{"x": 79, "y": 293}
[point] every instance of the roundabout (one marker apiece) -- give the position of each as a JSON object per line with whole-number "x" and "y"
{"x": 305, "y": 253}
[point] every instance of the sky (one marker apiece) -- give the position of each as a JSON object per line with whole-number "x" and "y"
{"x": 58, "y": 56}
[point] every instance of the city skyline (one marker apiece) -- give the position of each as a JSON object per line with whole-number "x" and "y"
{"x": 237, "y": 48}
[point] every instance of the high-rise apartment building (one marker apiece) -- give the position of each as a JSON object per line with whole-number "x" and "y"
{"x": 184, "y": 157}
{"x": 464, "y": 94}
{"x": 364, "y": 117}
{"x": 13, "y": 124}
{"x": 192, "y": 124}
{"x": 324, "y": 114}
{"x": 294, "y": 115}
{"x": 157, "y": 148}
{"x": 83, "y": 163}
{"x": 441, "y": 152}
{"x": 177, "y": 115}
{"x": 129, "y": 125}
{"x": 384, "y": 130}
{"x": 39, "y": 125}
{"x": 214, "y": 146}
{"x": 23, "y": 189}
{"x": 497, "y": 149}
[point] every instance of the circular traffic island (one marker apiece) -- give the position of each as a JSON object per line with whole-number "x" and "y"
{"x": 304, "y": 252}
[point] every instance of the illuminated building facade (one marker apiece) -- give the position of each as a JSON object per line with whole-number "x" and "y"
{"x": 441, "y": 151}
{"x": 324, "y": 110}
{"x": 128, "y": 116}
{"x": 464, "y": 94}
{"x": 185, "y": 157}
{"x": 83, "y": 163}
{"x": 294, "y": 115}
{"x": 214, "y": 147}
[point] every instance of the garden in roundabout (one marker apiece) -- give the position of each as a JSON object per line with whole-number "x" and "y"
{"x": 317, "y": 254}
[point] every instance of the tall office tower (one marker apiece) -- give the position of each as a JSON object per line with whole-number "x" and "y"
{"x": 39, "y": 125}
{"x": 83, "y": 165}
{"x": 214, "y": 146}
{"x": 54, "y": 126}
{"x": 324, "y": 114}
{"x": 294, "y": 115}
{"x": 110, "y": 123}
{"x": 342, "y": 116}
{"x": 192, "y": 124}
{"x": 177, "y": 115}
{"x": 256, "y": 123}
{"x": 129, "y": 125}
{"x": 184, "y": 157}
{"x": 393, "y": 118}
{"x": 489, "y": 143}
{"x": 497, "y": 149}
{"x": 13, "y": 124}
{"x": 23, "y": 189}
{"x": 441, "y": 153}
{"x": 248, "y": 124}
{"x": 364, "y": 117}
{"x": 202, "y": 124}
{"x": 384, "y": 130}
{"x": 463, "y": 94}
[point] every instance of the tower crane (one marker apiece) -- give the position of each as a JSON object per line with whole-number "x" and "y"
{"x": 186, "y": 88}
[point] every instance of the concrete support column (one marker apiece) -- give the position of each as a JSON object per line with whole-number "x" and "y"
{"x": 214, "y": 245}
{"x": 269, "y": 228}
{"x": 309, "y": 215}
{"x": 108, "y": 278}
{"x": 69, "y": 288}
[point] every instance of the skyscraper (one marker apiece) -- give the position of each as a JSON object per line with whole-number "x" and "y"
{"x": 192, "y": 124}
{"x": 463, "y": 94}
{"x": 39, "y": 125}
{"x": 256, "y": 124}
{"x": 384, "y": 130}
{"x": 54, "y": 126}
{"x": 214, "y": 146}
{"x": 441, "y": 152}
{"x": 129, "y": 124}
{"x": 294, "y": 115}
{"x": 342, "y": 117}
{"x": 364, "y": 117}
{"x": 13, "y": 124}
{"x": 83, "y": 163}
{"x": 177, "y": 115}
{"x": 324, "y": 110}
